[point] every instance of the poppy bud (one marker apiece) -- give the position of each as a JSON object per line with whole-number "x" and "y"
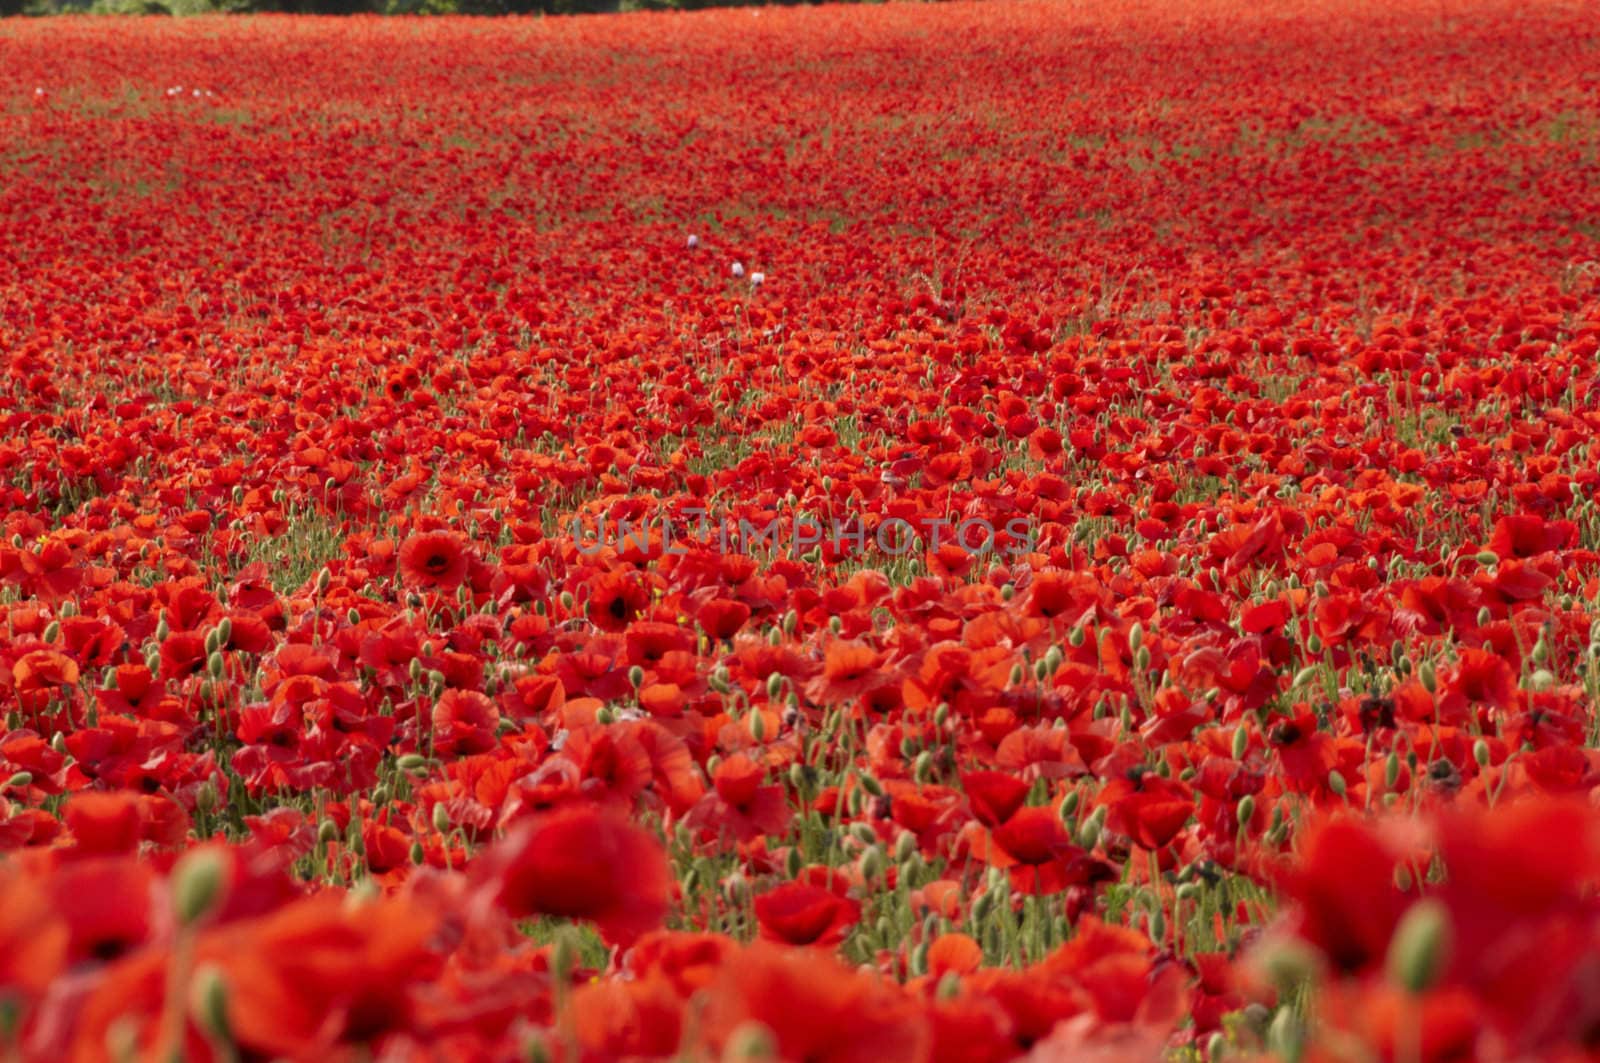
{"x": 922, "y": 767}
{"x": 163, "y": 629}
{"x": 949, "y": 986}
{"x": 411, "y": 762}
{"x": 1485, "y": 618}
{"x": 1008, "y": 591}
{"x": 205, "y": 796}
{"x": 1089, "y": 832}
{"x": 774, "y": 686}
{"x": 1541, "y": 679}
{"x": 441, "y": 819}
{"x": 152, "y": 662}
{"x": 53, "y": 631}
{"x": 18, "y": 781}
{"x": 1141, "y": 660}
{"x": 197, "y": 885}
{"x": 1069, "y": 807}
{"x": 872, "y": 864}
{"x": 1305, "y": 675}
{"x": 215, "y": 665}
{"x": 917, "y": 965}
{"x": 981, "y": 906}
{"x": 417, "y": 853}
{"x": 1052, "y": 659}
{"x": 605, "y": 716}
{"x": 58, "y": 741}
{"x": 1286, "y": 1036}
{"x": 208, "y": 1002}
{"x": 1391, "y": 770}
{"x": 1430, "y": 678}
{"x": 941, "y": 713}
{"x": 758, "y": 726}
{"x": 324, "y": 578}
{"x": 536, "y": 1047}
{"x": 1158, "y": 926}
{"x": 327, "y": 832}
{"x": 1290, "y": 963}
{"x": 1487, "y": 558}
{"x": 1216, "y": 1048}
{"x": 791, "y": 620}
{"x": 1314, "y": 643}
{"x": 749, "y": 1042}
{"x": 794, "y": 863}
{"x": 1075, "y": 636}
{"x": 1336, "y": 783}
{"x": 1480, "y": 753}
{"x": 636, "y": 676}
{"x": 835, "y": 625}
{"x": 869, "y": 784}
{"x": 1246, "y": 811}
{"x": 1241, "y": 743}
{"x": 567, "y": 601}
{"x": 1418, "y": 949}
{"x": 1136, "y": 637}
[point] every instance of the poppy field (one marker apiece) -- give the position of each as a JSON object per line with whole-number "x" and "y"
{"x": 953, "y": 532}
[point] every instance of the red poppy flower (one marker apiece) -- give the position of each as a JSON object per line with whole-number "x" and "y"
{"x": 798, "y": 914}
{"x": 433, "y": 560}
{"x": 816, "y": 1009}
{"x": 1047, "y": 860}
{"x": 581, "y": 863}
{"x": 464, "y": 723}
{"x": 995, "y": 795}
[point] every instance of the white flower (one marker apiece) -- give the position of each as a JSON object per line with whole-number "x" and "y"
{"x": 757, "y": 279}
{"x": 738, "y": 269}
{"x": 694, "y": 241}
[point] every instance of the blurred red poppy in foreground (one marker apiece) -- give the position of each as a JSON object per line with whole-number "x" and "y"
{"x": 581, "y": 862}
